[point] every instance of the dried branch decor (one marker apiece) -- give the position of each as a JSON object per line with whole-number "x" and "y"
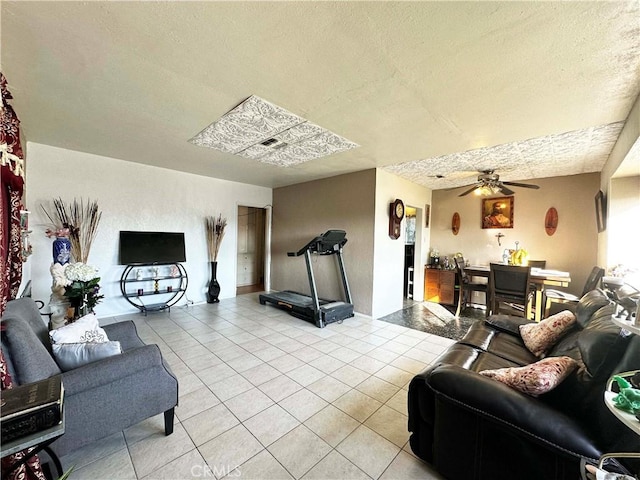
{"x": 215, "y": 233}
{"x": 82, "y": 221}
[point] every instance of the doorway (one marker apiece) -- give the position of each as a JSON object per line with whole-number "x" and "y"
{"x": 409, "y": 252}
{"x": 251, "y": 250}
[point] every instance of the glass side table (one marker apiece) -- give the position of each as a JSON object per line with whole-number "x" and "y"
{"x": 38, "y": 441}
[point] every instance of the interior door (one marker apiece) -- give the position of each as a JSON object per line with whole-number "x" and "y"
{"x": 251, "y": 247}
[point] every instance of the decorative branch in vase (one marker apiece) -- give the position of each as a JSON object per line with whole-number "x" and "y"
{"x": 215, "y": 229}
{"x": 73, "y": 226}
{"x": 80, "y": 220}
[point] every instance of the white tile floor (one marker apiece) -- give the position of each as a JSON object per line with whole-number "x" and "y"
{"x": 264, "y": 395}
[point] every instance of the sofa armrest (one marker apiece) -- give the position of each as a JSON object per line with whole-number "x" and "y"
{"x": 517, "y": 411}
{"x": 507, "y": 323}
{"x": 113, "y": 368}
{"x": 125, "y": 333}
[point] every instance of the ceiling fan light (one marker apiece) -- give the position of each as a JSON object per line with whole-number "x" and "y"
{"x": 495, "y": 189}
{"x": 483, "y": 190}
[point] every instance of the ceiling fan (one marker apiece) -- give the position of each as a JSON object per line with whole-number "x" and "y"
{"x": 489, "y": 184}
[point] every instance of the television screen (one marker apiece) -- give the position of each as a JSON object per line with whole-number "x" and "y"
{"x": 151, "y": 247}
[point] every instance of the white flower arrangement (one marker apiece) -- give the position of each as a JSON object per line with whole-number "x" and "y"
{"x": 80, "y": 272}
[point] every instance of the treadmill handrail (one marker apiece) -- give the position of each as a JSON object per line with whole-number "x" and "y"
{"x": 328, "y": 243}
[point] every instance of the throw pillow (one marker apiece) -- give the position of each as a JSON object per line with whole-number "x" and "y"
{"x": 85, "y": 329}
{"x": 540, "y": 337}
{"x": 74, "y": 355}
{"x": 537, "y": 378}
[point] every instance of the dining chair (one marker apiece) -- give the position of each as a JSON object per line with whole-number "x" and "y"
{"x": 510, "y": 285}
{"x": 466, "y": 287}
{"x": 559, "y": 296}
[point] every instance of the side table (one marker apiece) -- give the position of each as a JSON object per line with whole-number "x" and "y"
{"x": 40, "y": 440}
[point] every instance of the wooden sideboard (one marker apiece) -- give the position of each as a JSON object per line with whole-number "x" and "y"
{"x": 439, "y": 285}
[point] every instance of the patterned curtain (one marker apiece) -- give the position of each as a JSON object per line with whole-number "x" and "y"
{"x": 12, "y": 164}
{"x": 12, "y": 184}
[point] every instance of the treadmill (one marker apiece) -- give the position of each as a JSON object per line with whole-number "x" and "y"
{"x": 311, "y": 308}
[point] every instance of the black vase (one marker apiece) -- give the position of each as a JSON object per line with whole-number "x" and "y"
{"x": 214, "y": 287}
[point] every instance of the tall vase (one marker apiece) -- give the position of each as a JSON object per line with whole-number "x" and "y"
{"x": 214, "y": 287}
{"x": 61, "y": 250}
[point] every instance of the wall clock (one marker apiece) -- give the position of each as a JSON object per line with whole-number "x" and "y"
{"x": 396, "y": 214}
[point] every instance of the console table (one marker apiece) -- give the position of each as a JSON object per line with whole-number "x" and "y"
{"x": 439, "y": 286}
{"x": 163, "y": 286}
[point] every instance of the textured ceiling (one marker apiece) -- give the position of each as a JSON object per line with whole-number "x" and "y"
{"x": 531, "y": 89}
{"x": 568, "y": 153}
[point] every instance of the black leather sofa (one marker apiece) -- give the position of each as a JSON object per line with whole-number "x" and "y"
{"x": 468, "y": 426}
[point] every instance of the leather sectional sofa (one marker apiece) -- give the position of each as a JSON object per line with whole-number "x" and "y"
{"x": 469, "y": 426}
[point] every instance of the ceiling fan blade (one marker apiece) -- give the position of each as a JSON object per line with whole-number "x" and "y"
{"x": 467, "y": 192}
{"x": 523, "y": 185}
{"x": 506, "y": 190}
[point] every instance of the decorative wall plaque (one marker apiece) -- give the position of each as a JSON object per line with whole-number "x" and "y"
{"x": 551, "y": 221}
{"x": 455, "y": 223}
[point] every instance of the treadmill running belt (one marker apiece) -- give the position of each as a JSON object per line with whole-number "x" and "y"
{"x": 296, "y": 298}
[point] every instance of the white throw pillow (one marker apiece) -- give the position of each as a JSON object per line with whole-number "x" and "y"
{"x": 73, "y": 355}
{"x": 85, "y": 329}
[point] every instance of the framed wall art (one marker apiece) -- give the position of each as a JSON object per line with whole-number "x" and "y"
{"x": 497, "y": 212}
{"x": 427, "y": 214}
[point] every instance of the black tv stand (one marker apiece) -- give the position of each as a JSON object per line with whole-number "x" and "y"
{"x": 165, "y": 287}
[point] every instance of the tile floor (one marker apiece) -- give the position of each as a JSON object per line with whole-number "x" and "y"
{"x": 264, "y": 395}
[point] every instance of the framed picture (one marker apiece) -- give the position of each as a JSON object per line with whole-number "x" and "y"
{"x": 497, "y": 212}
{"x": 427, "y": 214}
{"x": 601, "y": 211}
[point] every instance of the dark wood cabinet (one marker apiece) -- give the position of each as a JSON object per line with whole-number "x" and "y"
{"x": 439, "y": 286}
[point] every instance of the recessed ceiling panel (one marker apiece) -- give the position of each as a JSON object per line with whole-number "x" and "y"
{"x": 262, "y": 131}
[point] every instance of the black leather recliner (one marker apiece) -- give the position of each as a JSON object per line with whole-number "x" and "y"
{"x": 472, "y": 427}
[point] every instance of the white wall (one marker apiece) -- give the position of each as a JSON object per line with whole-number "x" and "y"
{"x": 388, "y": 274}
{"x": 134, "y": 197}
{"x": 629, "y": 136}
{"x": 623, "y": 227}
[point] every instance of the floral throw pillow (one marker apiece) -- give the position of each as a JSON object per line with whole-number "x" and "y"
{"x": 537, "y": 378}
{"x": 540, "y": 337}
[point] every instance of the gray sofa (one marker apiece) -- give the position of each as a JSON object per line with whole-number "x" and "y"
{"x": 101, "y": 398}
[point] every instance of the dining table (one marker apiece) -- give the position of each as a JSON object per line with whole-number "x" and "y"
{"x": 540, "y": 278}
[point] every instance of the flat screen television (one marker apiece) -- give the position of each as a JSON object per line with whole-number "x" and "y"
{"x": 151, "y": 247}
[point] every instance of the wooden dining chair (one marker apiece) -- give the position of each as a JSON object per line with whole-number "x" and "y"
{"x": 466, "y": 287}
{"x": 510, "y": 285}
{"x": 560, "y": 296}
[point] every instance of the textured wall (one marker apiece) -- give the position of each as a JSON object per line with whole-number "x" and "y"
{"x": 303, "y": 211}
{"x": 624, "y": 156}
{"x": 389, "y": 254}
{"x": 134, "y": 197}
{"x": 572, "y": 248}
{"x": 623, "y": 228}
